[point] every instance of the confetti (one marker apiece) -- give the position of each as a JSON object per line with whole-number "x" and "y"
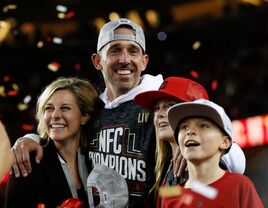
{"x": 169, "y": 191}
{"x": 194, "y": 74}
{"x": 53, "y": 66}
{"x": 205, "y": 190}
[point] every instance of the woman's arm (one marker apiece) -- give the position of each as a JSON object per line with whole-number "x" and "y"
{"x": 5, "y": 152}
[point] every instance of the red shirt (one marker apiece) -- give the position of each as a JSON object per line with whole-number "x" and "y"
{"x": 234, "y": 191}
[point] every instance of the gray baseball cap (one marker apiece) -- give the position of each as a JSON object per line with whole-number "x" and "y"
{"x": 107, "y": 35}
{"x": 112, "y": 187}
{"x": 200, "y": 107}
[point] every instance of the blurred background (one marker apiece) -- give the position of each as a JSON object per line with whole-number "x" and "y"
{"x": 222, "y": 44}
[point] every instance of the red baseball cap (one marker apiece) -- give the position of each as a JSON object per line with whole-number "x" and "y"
{"x": 176, "y": 88}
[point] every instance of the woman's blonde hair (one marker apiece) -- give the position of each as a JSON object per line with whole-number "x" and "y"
{"x": 87, "y": 100}
{"x": 163, "y": 153}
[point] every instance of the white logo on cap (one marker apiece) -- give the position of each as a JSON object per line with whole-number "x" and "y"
{"x": 105, "y": 197}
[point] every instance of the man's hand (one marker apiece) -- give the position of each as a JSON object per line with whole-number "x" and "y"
{"x": 179, "y": 164}
{"x": 21, "y": 154}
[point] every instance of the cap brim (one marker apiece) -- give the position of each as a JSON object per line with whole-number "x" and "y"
{"x": 181, "y": 111}
{"x": 147, "y": 99}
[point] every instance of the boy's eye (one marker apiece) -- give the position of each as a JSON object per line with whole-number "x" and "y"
{"x": 183, "y": 126}
{"x": 204, "y": 125}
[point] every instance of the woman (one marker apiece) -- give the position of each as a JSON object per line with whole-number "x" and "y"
{"x": 66, "y": 110}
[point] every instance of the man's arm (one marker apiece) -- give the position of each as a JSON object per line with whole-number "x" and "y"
{"x": 21, "y": 149}
{"x": 5, "y": 152}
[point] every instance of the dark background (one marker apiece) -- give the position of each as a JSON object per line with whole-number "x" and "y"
{"x": 231, "y": 62}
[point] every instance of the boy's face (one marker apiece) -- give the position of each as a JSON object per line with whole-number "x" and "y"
{"x": 200, "y": 139}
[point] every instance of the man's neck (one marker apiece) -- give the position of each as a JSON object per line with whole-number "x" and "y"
{"x": 113, "y": 94}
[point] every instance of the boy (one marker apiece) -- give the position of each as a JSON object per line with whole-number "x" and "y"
{"x": 204, "y": 134}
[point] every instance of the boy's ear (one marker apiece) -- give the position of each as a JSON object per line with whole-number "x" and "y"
{"x": 226, "y": 143}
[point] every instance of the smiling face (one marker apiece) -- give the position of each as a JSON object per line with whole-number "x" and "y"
{"x": 161, "y": 123}
{"x": 63, "y": 117}
{"x": 121, "y": 63}
{"x": 200, "y": 139}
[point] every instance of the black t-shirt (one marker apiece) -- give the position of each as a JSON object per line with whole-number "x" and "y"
{"x": 126, "y": 143}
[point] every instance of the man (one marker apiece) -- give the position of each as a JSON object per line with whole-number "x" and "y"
{"x": 125, "y": 141}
